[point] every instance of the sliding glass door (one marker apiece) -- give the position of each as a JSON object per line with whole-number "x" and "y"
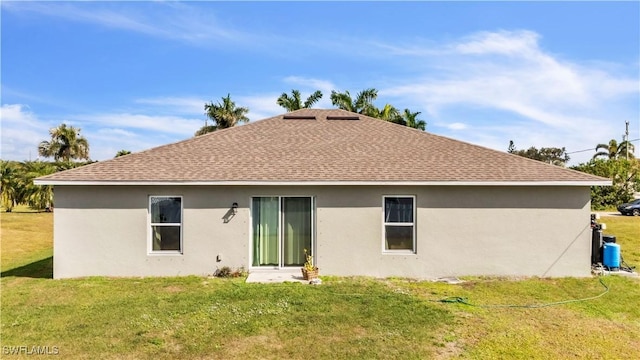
{"x": 282, "y": 229}
{"x": 296, "y": 223}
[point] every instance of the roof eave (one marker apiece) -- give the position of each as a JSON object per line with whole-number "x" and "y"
{"x": 44, "y": 181}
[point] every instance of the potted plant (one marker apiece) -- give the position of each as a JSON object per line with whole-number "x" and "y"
{"x": 309, "y": 271}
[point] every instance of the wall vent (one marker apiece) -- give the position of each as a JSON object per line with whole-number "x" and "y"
{"x": 343, "y": 117}
{"x": 298, "y": 117}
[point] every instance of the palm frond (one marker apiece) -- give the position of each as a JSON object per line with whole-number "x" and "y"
{"x": 342, "y": 100}
{"x": 226, "y": 114}
{"x": 312, "y": 99}
{"x": 364, "y": 101}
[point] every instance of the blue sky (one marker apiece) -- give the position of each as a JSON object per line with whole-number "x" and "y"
{"x": 134, "y": 75}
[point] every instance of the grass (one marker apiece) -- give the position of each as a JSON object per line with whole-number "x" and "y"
{"x": 222, "y": 318}
{"x": 196, "y": 317}
{"x": 26, "y": 248}
{"x": 627, "y": 232}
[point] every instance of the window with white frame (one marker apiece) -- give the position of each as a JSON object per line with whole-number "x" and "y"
{"x": 165, "y": 214}
{"x": 399, "y": 224}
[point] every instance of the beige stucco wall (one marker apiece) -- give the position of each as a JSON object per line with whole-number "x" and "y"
{"x": 513, "y": 231}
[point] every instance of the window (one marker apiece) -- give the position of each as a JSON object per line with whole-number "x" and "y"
{"x": 399, "y": 223}
{"x": 166, "y": 224}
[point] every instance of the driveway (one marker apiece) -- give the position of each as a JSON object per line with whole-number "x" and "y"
{"x": 608, "y": 213}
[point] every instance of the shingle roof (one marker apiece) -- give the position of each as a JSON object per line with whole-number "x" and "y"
{"x": 320, "y": 150}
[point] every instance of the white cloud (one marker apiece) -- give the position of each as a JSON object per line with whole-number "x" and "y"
{"x": 176, "y": 104}
{"x": 174, "y": 125}
{"x": 119, "y": 133}
{"x": 22, "y": 131}
{"x": 260, "y": 106}
{"x": 554, "y": 101}
{"x": 310, "y": 83}
{"x": 169, "y": 20}
{"x": 105, "y": 143}
{"x": 111, "y": 132}
{"x": 456, "y": 126}
{"x": 513, "y": 43}
{"x": 487, "y": 88}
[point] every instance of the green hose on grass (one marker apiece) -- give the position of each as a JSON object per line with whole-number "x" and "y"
{"x": 464, "y": 301}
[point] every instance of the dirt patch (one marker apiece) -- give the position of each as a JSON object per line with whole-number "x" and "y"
{"x": 265, "y": 346}
{"x": 450, "y": 350}
{"x": 173, "y": 289}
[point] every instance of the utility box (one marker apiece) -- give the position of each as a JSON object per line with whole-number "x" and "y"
{"x": 596, "y": 245}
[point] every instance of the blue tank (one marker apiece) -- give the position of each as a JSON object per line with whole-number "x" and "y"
{"x": 611, "y": 256}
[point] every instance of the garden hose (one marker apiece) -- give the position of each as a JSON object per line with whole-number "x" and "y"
{"x": 464, "y": 301}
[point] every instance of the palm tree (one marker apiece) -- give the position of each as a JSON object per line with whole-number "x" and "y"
{"x": 406, "y": 118}
{"x": 122, "y": 152}
{"x": 389, "y": 113}
{"x": 294, "y": 102}
{"x": 37, "y": 196}
{"x": 411, "y": 120}
{"x": 613, "y": 150}
{"x": 224, "y": 115}
{"x": 362, "y": 104}
{"x": 205, "y": 129}
{"x": 66, "y": 144}
{"x": 9, "y": 185}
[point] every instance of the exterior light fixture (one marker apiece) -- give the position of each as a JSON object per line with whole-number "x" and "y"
{"x": 234, "y": 208}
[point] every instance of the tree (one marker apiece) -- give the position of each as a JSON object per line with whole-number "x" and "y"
{"x": 389, "y": 113}
{"x": 362, "y": 104}
{"x": 624, "y": 175}
{"x": 205, "y": 129}
{"x": 66, "y": 144}
{"x": 122, "y": 152}
{"x": 294, "y": 102}
{"x": 224, "y": 115}
{"x": 10, "y": 187}
{"x": 411, "y": 120}
{"x": 18, "y": 187}
{"x": 38, "y": 197}
{"x": 551, "y": 155}
{"x": 613, "y": 150}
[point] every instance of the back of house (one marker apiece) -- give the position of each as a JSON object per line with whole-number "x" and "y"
{"x": 364, "y": 196}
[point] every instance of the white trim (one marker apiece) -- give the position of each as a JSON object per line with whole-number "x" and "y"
{"x": 325, "y": 183}
{"x": 386, "y": 251}
{"x": 150, "y": 250}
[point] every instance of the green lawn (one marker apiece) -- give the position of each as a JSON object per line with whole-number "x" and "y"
{"x": 26, "y": 246}
{"x": 345, "y": 318}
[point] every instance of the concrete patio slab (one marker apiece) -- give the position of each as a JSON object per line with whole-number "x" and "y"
{"x": 276, "y": 276}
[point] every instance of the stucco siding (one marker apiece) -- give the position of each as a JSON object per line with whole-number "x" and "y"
{"x": 105, "y": 231}
{"x": 475, "y": 230}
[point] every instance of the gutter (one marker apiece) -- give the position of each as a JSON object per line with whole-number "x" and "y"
{"x": 317, "y": 183}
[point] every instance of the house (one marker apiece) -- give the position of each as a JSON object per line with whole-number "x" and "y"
{"x": 366, "y": 196}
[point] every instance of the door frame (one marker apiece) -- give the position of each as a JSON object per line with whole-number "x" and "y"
{"x": 280, "y": 232}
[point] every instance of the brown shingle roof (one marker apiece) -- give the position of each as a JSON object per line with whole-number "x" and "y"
{"x": 285, "y": 150}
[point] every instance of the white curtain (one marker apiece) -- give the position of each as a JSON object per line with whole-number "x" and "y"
{"x": 265, "y": 231}
{"x": 297, "y": 235}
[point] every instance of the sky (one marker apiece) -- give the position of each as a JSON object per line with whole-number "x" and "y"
{"x": 135, "y": 75}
